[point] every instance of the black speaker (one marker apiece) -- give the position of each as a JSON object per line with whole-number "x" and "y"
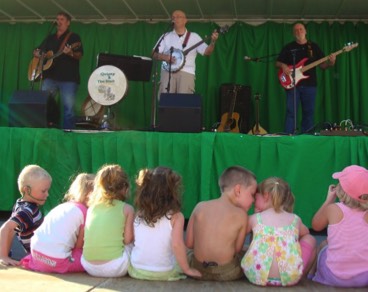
{"x": 242, "y": 103}
{"x": 180, "y": 113}
{"x": 34, "y": 109}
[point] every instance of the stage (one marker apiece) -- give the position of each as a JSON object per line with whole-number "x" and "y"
{"x": 305, "y": 161}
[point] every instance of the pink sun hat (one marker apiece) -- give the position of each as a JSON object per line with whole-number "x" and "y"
{"x": 354, "y": 181}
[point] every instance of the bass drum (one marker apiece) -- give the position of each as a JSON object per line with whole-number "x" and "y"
{"x": 107, "y": 85}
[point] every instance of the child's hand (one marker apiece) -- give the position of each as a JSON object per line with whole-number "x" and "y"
{"x": 7, "y": 261}
{"x": 193, "y": 273}
{"x": 331, "y": 194}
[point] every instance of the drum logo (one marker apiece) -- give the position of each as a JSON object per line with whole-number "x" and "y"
{"x": 105, "y": 89}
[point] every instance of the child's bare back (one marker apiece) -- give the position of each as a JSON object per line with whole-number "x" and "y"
{"x": 219, "y": 230}
{"x": 216, "y": 229}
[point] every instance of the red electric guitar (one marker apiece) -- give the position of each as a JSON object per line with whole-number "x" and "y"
{"x": 287, "y": 80}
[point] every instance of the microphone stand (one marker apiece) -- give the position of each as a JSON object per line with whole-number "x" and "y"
{"x": 169, "y": 81}
{"x": 155, "y": 79}
{"x": 154, "y": 89}
{"x": 293, "y": 53}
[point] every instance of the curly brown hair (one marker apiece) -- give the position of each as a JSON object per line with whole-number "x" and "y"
{"x": 111, "y": 183}
{"x": 158, "y": 194}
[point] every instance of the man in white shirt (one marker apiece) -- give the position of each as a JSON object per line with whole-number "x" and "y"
{"x": 182, "y": 67}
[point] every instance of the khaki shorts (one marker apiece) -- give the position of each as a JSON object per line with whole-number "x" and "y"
{"x": 212, "y": 272}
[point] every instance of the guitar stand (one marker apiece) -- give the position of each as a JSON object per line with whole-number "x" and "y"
{"x": 293, "y": 52}
{"x": 154, "y": 80}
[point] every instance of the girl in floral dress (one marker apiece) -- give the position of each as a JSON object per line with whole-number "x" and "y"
{"x": 274, "y": 257}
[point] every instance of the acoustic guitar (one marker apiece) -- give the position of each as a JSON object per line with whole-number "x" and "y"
{"x": 230, "y": 120}
{"x": 257, "y": 129}
{"x": 180, "y": 55}
{"x": 287, "y": 80}
{"x": 35, "y": 68}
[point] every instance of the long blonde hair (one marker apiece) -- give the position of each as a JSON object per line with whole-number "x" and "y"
{"x": 111, "y": 183}
{"x": 80, "y": 188}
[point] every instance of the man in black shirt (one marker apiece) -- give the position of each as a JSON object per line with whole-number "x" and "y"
{"x": 305, "y": 52}
{"x": 63, "y": 75}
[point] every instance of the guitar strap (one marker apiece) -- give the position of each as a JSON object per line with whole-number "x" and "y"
{"x": 186, "y": 39}
{"x": 64, "y": 41}
{"x": 310, "y": 50}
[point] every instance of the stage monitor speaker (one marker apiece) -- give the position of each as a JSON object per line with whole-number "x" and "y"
{"x": 34, "y": 109}
{"x": 242, "y": 103}
{"x": 180, "y": 113}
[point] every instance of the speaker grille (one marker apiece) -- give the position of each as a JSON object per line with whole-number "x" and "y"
{"x": 35, "y": 109}
{"x": 180, "y": 113}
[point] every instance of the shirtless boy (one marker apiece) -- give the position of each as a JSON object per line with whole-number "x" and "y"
{"x": 217, "y": 228}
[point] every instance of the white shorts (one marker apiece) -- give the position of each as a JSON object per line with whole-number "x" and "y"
{"x": 114, "y": 268}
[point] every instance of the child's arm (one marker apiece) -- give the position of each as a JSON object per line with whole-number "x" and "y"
{"x": 250, "y": 223}
{"x": 303, "y": 230}
{"x": 178, "y": 245}
{"x": 6, "y": 239}
{"x": 241, "y": 235}
{"x": 129, "y": 228}
{"x": 320, "y": 219}
{"x": 80, "y": 238}
{"x": 189, "y": 235}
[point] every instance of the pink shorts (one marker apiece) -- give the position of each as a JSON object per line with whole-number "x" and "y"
{"x": 37, "y": 261}
{"x": 307, "y": 251}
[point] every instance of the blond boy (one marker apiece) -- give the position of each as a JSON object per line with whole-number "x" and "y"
{"x": 34, "y": 183}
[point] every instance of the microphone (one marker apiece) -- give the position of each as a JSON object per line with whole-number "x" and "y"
{"x": 41, "y": 200}
{"x": 29, "y": 194}
{"x": 250, "y": 59}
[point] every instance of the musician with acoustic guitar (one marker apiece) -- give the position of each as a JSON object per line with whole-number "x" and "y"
{"x": 60, "y": 54}
{"x": 178, "y": 50}
{"x": 305, "y": 52}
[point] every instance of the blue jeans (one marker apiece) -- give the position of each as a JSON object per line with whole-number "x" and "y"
{"x": 306, "y": 95}
{"x": 67, "y": 92}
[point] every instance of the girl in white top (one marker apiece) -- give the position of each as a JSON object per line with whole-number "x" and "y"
{"x": 159, "y": 252}
{"x": 56, "y": 246}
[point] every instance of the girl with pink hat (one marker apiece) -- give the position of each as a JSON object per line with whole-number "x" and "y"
{"x": 342, "y": 260}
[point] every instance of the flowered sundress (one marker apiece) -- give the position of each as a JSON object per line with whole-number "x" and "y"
{"x": 267, "y": 241}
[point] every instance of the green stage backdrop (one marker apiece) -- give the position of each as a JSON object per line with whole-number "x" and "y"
{"x": 305, "y": 161}
{"x": 342, "y": 93}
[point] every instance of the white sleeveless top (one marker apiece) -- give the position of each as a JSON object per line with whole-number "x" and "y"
{"x": 57, "y": 235}
{"x": 152, "y": 246}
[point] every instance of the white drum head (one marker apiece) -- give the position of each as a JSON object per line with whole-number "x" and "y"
{"x": 107, "y": 85}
